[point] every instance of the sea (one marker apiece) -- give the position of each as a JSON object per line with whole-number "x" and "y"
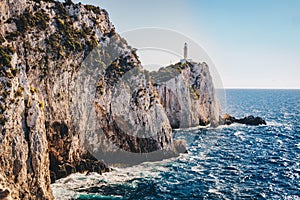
{"x": 227, "y": 162}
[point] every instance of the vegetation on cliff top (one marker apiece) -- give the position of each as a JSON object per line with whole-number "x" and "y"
{"x": 166, "y": 73}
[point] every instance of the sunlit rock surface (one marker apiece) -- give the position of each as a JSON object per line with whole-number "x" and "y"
{"x": 74, "y": 97}
{"x": 187, "y": 92}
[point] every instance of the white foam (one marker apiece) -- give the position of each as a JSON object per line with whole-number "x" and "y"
{"x": 198, "y": 169}
{"x": 240, "y": 134}
{"x": 65, "y": 188}
{"x": 275, "y": 123}
{"x": 214, "y": 191}
{"x": 202, "y": 155}
{"x": 280, "y": 142}
{"x": 192, "y": 128}
{"x": 292, "y": 197}
{"x": 234, "y": 125}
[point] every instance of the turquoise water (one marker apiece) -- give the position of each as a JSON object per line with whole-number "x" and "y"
{"x": 229, "y": 162}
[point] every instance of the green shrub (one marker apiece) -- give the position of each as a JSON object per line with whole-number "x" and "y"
{"x": 12, "y": 35}
{"x": 32, "y": 90}
{"x": 11, "y": 49}
{"x": 95, "y": 9}
{"x": 19, "y": 92}
{"x": 27, "y": 20}
{"x": 5, "y": 57}
{"x": 68, "y": 2}
{"x": 41, "y": 105}
{"x": 3, "y": 120}
{"x": 2, "y": 39}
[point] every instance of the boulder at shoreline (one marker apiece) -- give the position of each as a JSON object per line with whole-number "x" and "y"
{"x": 249, "y": 120}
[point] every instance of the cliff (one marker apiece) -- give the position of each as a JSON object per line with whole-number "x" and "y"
{"x": 187, "y": 93}
{"x": 73, "y": 93}
{"x": 42, "y": 45}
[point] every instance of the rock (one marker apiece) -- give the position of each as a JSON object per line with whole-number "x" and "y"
{"x": 187, "y": 93}
{"x": 55, "y": 111}
{"x": 74, "y": 98}
{"x": 227, "y": 119}
{"x": 250, "y": 120}
{"x": 181, "y": 146}
{"x": 4, "y": 193}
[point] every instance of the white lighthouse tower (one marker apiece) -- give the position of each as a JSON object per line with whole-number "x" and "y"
{"x": 185, "y": 51}
{"x": 185, "y": 54}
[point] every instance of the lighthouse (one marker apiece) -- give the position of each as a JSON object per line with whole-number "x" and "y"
{"x": 185, "y": 54}
{"x": 185, "y": 51}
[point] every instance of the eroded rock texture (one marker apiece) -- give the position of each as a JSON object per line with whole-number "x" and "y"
{"x": 187, "y": 93}
{"x": 73, "y": 93}
{"x": 53, "y": 101}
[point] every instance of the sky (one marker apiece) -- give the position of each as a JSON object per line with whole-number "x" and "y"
{"x": 253, "y": 44}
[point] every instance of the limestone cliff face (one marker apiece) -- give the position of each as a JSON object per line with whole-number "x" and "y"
{"x": 70, "y": 85}
{"x": 74, "y": 96}
{"x": 42, "y": 44}
{"x": 131, "y": 125}
{"x": 187, "y": 93}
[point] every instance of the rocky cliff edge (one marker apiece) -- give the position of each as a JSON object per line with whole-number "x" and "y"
{"x": 73, "y": 93}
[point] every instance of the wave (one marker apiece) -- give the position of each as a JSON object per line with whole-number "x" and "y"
{"x": 70, "y": 187}
{"x": 228, "y": 162}
{"x": 192, "y": 128}
{"x": 275, "y": 123}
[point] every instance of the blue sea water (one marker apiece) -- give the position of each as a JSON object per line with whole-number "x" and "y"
{"x": 228, "y": 162}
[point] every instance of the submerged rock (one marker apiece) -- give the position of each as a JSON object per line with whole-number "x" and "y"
{"x": 250, "y": 120}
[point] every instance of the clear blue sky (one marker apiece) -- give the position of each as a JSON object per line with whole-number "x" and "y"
{"x": 253, "y": 43}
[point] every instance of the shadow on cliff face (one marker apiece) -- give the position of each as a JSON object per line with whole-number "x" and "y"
{"x": 121, "y": 120}
{"x": 61, "y": 165}
{"x": 128, "y": 117}
{"x": 67, "y": 74}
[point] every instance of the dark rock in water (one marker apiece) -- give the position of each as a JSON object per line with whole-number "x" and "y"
{"x": 250, "y": 120}
{"x": 228, "y": 119}
{"x": 87, "y": 163}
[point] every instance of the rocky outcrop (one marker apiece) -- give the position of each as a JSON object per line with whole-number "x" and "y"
{"x": 72, "y": 94}
{"x": 187, "y": 93}
{"x": 134, "y": 127}
{"x": 250, "y": 120}
{"x": 42, "y": 44}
